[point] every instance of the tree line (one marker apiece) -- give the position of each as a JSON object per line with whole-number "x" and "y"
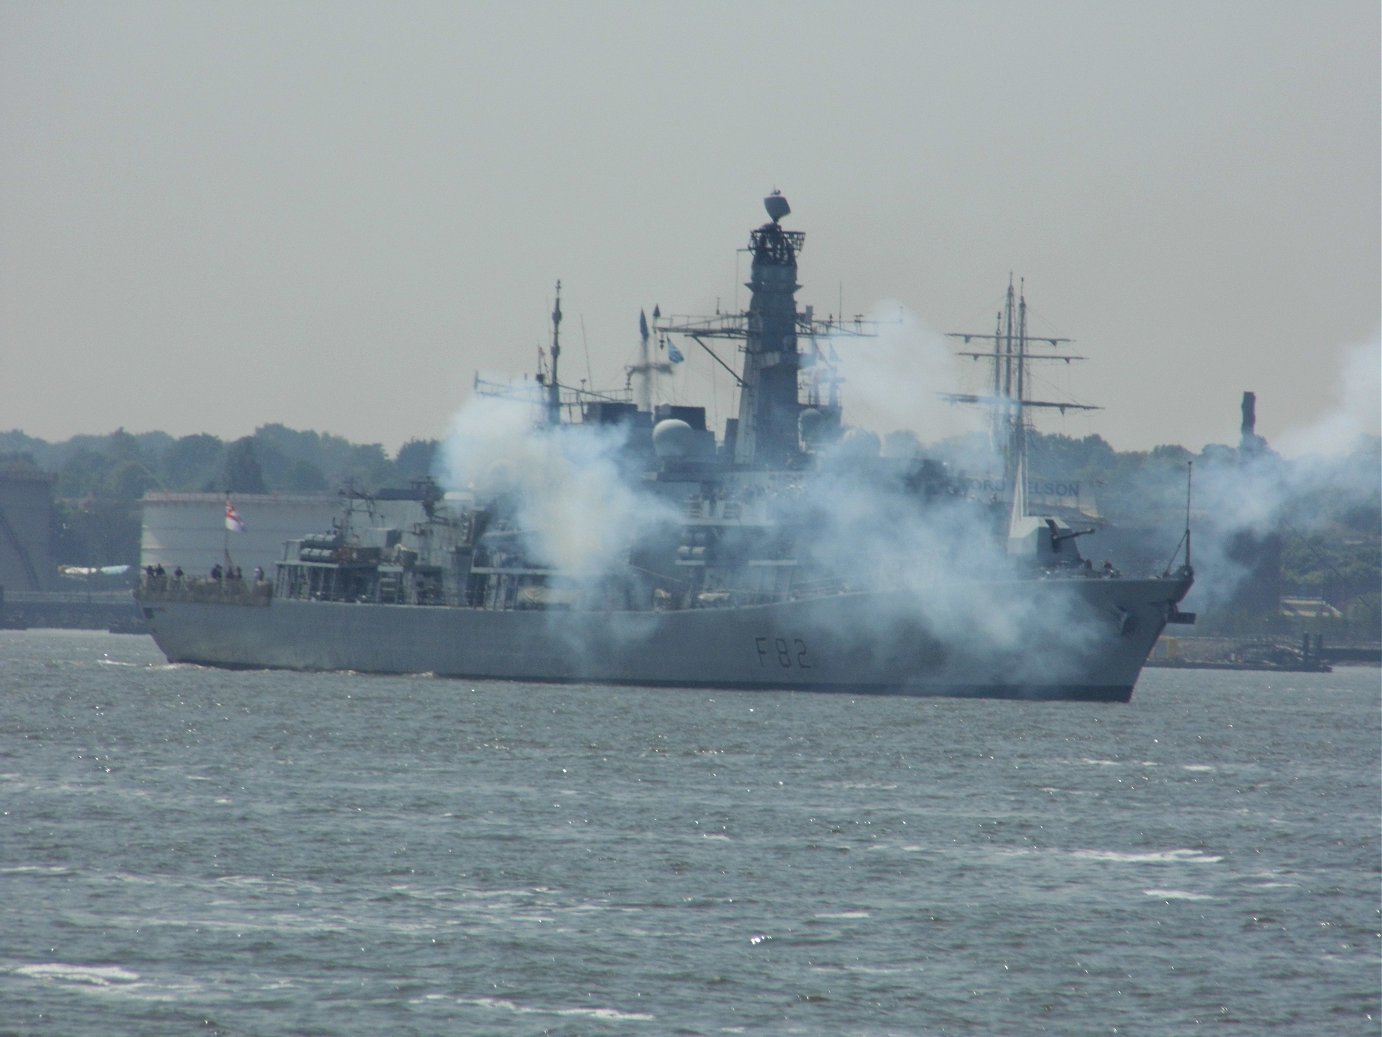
{"x": 276, "y": 459}
{"x": 1325, "y": 512}
{"x": 99, "y": 480}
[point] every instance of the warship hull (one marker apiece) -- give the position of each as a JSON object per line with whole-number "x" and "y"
{"x": 1079, "y": 639}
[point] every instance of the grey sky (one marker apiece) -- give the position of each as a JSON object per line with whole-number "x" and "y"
{"x": 330, "y": 215}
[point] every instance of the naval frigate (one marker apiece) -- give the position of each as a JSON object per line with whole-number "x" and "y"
{"x": 622, "y": 542}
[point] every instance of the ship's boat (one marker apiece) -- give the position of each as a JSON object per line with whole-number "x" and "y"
{"x": 618, "y": 541}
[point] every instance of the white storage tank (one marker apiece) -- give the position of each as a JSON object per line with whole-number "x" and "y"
{"x": 189, "y": 529}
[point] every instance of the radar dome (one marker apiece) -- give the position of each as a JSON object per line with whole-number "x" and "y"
{"x": 673, "y": 438}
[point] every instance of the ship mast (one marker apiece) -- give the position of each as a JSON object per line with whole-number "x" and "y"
{"x": 768, "y": 407}
{"x": 554, "y": 386}
{"x": 765, "y": 434}
{"x": 641, "y": 373}
{"x": 1009, "y": 403}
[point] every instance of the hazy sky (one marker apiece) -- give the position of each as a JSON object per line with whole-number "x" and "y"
{"x": 331, "y": 215}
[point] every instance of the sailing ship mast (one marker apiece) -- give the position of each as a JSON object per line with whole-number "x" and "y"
{"x": 1008, "y": 400}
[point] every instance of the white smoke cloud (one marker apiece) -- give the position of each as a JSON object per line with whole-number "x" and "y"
{"x": 578, "y": 510}
{"x": 944, "y": 556}
{"x": 891, "y": 381}
{"x": 1357, "y": 409}
{"x": 1246, "y": 500}
{"x": 850, "y": 523}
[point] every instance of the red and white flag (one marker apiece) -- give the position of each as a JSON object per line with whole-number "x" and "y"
{"x": 233, "y": 522}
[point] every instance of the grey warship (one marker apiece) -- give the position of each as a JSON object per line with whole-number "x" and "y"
{"x": 785, "y": 553}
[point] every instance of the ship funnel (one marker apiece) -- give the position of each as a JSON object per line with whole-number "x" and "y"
{"x": 777, "y": 206}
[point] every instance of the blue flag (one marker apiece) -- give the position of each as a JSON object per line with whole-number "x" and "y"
{"x": 674, "y": 354}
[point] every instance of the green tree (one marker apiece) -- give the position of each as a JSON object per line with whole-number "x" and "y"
{"x": 414, "y": 459}
{"x": 368, "y": 467}
{"x": 83, "y": 474}
{"x": 338, "y": 460}
{"x": 128, "y": 480}
{"x": 305, "y": 477}
{"x": 121, "y": 446}
{"x": 242, "y": 472}
{"x": 285, "y": 472}
{"x": 192, "y": 462}
{"x": 18, "y": 461}
{"x": 96, "y": 531}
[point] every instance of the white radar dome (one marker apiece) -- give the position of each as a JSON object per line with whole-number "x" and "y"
{"x": 673, "y": 438}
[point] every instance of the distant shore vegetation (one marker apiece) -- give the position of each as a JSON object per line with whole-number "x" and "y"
{"x": 1322, "y": 515}
{"x": 275, "y": 459}
{"x": 98, "y": 481}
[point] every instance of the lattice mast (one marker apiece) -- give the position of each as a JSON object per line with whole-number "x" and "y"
{"x": 766, "y": 432}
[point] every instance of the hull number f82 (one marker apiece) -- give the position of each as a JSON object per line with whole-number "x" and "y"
{"x": 788, "y": 654}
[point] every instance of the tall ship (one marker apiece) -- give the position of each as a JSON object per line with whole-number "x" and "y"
{"x": 610, "y": 540}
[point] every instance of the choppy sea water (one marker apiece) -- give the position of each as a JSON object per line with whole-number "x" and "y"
{"x": 186, "y": 850}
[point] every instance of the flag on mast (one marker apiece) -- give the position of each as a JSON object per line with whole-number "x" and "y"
{"x": 233, "y": 523}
